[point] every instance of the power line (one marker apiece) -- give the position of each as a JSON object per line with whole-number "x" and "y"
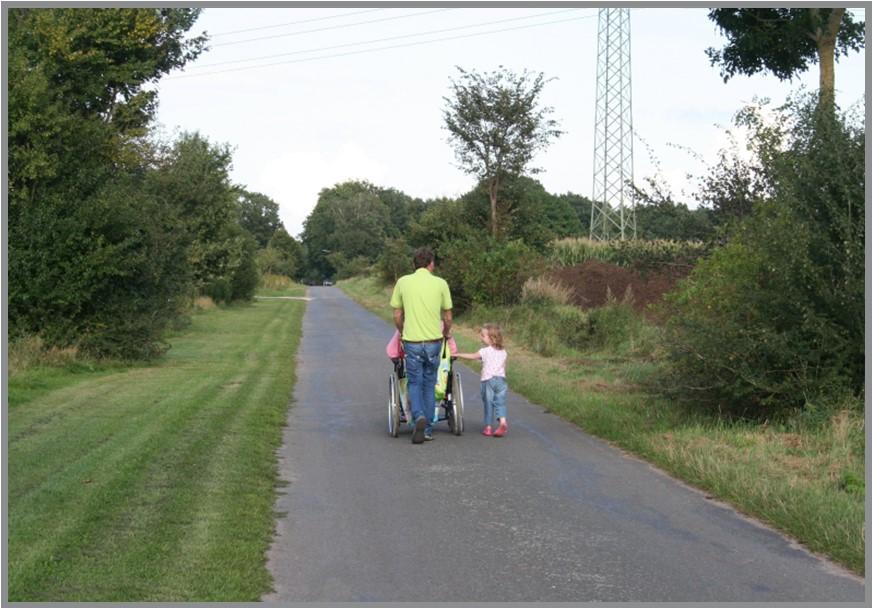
{"x": 267, "y": 27}
{"x": 351, "y": 44}
{"x": 332, "y": 27}
{"x": 396, "y": 46}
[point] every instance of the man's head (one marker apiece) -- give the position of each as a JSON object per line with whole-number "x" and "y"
{"x": 422, "y": 258}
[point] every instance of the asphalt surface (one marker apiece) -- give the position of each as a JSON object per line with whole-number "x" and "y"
{"x": 547, "y": 514}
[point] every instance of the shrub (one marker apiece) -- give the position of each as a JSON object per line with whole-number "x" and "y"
{"x": 614, "y": 324}
{"x": 572, "y": 324}
{"x": 105, "y": 271}
{"x": 488, "y": 272}
{"x": 219, "y": 290}
{"x": 775, "y": 318}
{"x": 536, "y": 331}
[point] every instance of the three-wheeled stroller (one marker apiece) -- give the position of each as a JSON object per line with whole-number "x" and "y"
{"x": 450, "y": 408}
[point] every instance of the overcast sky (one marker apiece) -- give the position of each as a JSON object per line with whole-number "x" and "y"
{"x": 329, "y": 109}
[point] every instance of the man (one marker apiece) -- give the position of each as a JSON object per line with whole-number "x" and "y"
{"x": 422, "y": 306}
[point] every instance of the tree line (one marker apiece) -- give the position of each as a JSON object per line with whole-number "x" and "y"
{"x": 113, "y": 232}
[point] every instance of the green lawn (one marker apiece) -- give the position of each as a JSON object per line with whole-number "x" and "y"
{"x": 805, "y": 480}
{"x": 153, "y": 482}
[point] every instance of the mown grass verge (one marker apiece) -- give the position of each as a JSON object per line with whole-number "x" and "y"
{"x": 153, "y": 482}
{"x": 805, "y": 479}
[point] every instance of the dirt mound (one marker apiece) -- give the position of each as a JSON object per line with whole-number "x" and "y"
{"x": 592, "y": 280}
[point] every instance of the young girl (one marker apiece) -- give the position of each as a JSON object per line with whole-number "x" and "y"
{"x": 494, "y": 387}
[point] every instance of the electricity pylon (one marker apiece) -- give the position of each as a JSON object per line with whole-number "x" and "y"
{"x": 613, "y": 211}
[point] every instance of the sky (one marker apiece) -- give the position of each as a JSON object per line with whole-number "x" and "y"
{"x": 357, "y": 94}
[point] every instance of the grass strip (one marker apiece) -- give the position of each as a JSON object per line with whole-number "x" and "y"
{"x": 154, "y": 482}
{"x": 804, "y": 480}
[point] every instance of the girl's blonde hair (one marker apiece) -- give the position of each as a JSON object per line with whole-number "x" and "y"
{"x": 495, "y": 334}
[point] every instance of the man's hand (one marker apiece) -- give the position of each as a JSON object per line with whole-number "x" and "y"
{"x": 398, "y": 320}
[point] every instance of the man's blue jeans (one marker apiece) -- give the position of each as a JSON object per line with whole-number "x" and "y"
{"x": 422, "y": 361}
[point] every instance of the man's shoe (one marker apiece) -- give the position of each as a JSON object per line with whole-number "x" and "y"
{"x": 428, "y": 435}
{"x": 418, "y": 432}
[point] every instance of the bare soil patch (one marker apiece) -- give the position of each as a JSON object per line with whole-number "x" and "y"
{"x": 593, "y": 280}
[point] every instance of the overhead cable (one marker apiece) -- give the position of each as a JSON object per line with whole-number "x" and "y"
{"x": 268, "y": 27}
{"x": 373, "y": 41}
{"x": 396, "y": 46}
{"x": 333, "y": 27}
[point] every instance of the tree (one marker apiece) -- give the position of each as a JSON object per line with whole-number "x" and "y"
{"x": 402, "y": 209}
{"x": 80, "y": 86}
{"x": 785, "y": 41}
{"x": 349, "y": 219}
{"x": 526, "y": 211}
{"x": 441, "y": 220}
{"x": 258, "y": 214}
{"x": 193, "y": 177}
{"x": 581, "y": 205}
{"x": 96, "y": 259}
{"x": 290, "y": 253}
{"x": 497, "y": 127}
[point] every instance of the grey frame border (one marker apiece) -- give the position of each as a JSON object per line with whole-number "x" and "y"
{"x": 4, "y": 602}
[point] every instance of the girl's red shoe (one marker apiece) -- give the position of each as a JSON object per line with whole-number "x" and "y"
{"x": 501, "y": 430}
{"x": 487, "y": 431}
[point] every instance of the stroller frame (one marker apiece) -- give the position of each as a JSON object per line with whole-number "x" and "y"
{"x": 452, "y": 404}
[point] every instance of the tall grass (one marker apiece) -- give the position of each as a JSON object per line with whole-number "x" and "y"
{"x": 542, "y": 290}
{"x": 30, "y": 351}
{"x": 633, "y": 253}
{"x": 270, "y": 281}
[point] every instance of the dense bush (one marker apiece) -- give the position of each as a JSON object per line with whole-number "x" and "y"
{"x": 487, "y": 272}
{"x": 107, "y": 273}
{"x": 775, "y": 318}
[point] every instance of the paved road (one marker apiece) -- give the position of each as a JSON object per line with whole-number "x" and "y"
{"x": 547, "y": 514}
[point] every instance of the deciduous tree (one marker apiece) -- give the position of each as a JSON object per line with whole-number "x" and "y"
{"x": 496, "y": 125}
{"x": 258, "y": 214}
{"x": 785, "y": 41}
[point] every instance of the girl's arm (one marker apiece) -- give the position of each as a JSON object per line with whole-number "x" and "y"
{"x": 468, "y": 355}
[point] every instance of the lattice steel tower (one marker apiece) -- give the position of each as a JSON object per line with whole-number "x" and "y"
{"x": 612, "y": 213}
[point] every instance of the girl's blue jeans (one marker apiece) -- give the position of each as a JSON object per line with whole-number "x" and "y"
{"x": 494, "y": 398}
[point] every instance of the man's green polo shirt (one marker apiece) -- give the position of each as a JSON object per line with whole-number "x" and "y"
{"x": 422, "y": 296}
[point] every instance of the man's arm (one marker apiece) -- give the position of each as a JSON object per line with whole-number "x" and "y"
{"x": 447, "y": 322}
{"x": 398, "y": 320}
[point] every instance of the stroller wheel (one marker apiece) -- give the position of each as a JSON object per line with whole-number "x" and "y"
{"x": 393, "y": 406}
{"x": 457, "y": 406}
